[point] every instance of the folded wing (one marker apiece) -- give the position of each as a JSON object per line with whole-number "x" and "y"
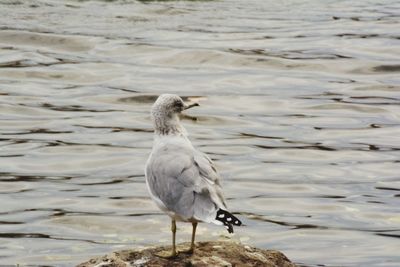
{"x": 186, "y": 182}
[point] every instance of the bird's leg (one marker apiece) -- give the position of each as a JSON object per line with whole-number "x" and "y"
{"x": 194, "y": 225}
{"x": 164, "y": 254}
{"x": 173, "y": 229}
{"x": 191, "y": 249}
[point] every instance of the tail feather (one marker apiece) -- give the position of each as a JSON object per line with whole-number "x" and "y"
{"x": 227, "y": 219}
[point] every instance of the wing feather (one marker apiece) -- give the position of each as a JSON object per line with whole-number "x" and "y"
{"x": 186, "y": 182}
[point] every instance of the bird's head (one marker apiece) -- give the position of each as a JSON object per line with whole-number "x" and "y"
{"x": 166, "y": 109}
{"x": 170, "y": 104}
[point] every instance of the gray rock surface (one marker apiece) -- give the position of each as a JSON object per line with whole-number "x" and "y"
{"x": 218, "y": 254}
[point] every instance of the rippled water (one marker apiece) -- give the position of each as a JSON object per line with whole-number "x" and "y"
{"x": 300, "y": 109}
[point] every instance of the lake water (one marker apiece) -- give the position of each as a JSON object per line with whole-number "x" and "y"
{"x": 300, "y": 109}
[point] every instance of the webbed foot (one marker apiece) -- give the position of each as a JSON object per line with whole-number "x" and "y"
{"x": 187, "y": 251}
{"x": 166, "y": 254}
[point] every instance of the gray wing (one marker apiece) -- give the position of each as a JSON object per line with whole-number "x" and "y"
{"x": 208, "y": 173}
{"x": 186, "y": 181}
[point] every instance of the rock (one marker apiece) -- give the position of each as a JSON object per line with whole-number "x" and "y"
{"x": 218, "y": 254}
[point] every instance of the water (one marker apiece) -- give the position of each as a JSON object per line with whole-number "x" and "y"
{"x": 299, "y": 109}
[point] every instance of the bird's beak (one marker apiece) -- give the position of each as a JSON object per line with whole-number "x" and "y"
{"x": 187, "y": 106}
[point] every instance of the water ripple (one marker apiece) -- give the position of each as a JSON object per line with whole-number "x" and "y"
{"x": 299, "y": 110}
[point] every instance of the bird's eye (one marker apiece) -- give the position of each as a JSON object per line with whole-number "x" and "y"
{"x": 178, "y": 104}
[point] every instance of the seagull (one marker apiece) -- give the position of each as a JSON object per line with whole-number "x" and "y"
{"x": 181, "y": 180}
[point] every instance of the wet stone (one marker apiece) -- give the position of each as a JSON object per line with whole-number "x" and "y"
{"x": 228, "y": 254}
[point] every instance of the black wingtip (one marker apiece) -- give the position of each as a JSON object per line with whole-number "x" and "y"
{"x": 227, "y": 219}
